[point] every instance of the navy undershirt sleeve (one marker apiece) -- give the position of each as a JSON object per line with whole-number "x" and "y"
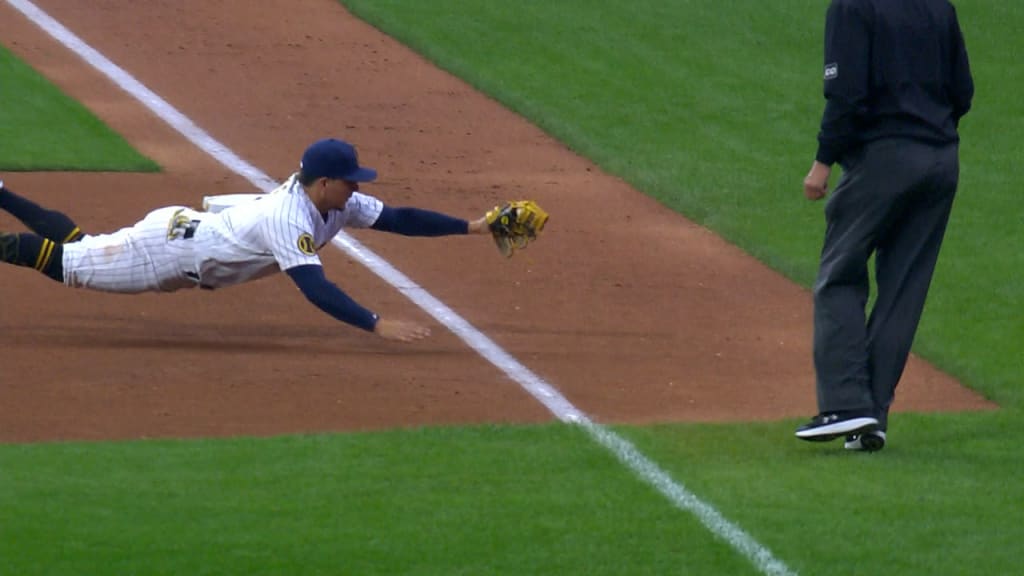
{"x": 419, "y": 222}
{"x": 326, "y": 296}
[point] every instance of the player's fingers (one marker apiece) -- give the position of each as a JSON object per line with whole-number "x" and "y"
{"x": 419, "y": 332}
{"x": 402, "y": 331}
{"x": 411, "y": 331}
{"x": 411, "y": 337}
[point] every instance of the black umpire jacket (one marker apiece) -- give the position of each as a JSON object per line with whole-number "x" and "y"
{"x": 893, "y": 68}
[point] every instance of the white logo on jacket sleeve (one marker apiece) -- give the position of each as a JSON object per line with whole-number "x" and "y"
{"x": 831, "y": 71}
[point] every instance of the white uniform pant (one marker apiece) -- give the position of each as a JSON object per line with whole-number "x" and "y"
{"x": 152, "y": 255}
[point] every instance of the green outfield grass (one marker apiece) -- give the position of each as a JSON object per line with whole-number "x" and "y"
{"x": 943, "y": 498}
{"x": 711, "y": 106}
{"x": 489, "y": 500}
{"x": 514, "y": 500}
{"x": 43, "y": 129}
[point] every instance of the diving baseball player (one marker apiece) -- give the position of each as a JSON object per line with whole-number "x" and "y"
{"x": 177, "y": 247}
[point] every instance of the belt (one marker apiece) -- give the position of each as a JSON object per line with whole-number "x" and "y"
{"x": 190, "y": 229}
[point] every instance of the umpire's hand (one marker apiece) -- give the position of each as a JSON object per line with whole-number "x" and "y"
{"x": 816, "y": 182}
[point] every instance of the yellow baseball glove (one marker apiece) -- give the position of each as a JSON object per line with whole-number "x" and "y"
{"x": 515, "y": 224}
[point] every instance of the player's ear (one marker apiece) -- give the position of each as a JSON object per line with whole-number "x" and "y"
{"x": 321, "y": 185}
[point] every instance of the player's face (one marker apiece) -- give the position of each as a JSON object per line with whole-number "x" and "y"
{"x": 337, "y": 192}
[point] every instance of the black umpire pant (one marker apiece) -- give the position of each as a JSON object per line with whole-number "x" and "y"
{"x": 893, "y": 201}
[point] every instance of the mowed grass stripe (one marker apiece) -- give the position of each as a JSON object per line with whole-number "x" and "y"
{"x": 484, "y": 500}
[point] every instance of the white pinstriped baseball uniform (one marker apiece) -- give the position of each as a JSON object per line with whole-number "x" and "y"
{"x": 177, "y": 247}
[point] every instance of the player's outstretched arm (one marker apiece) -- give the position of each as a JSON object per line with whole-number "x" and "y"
{"x": 326, "y": 296}
{"x": 411, "y": 221}
{"x": 513, "y": 224}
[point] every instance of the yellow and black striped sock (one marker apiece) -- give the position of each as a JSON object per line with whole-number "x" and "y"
{"x": 74, "y": 236}
{"x": 33, "y": 251}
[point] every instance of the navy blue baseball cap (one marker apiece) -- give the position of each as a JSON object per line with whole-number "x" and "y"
{"x": 332, "y": 158}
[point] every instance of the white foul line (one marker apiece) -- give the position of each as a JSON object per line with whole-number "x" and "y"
{"x": 540, "y": 389}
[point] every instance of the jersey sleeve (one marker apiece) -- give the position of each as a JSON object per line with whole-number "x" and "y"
{"x": 361, "y": 210}
{"x": 288, "y": 233}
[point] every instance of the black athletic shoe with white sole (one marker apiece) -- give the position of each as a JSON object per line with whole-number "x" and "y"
{"x": 831, "y": 425}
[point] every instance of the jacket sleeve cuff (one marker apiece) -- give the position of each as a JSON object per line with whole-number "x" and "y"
{"x": 826, "y": 155}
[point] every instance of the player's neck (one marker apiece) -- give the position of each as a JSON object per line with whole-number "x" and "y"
{"x": 318, "y": 201}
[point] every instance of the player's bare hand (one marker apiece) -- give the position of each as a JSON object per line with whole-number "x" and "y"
{"x": 816, "y": 182}
{"x": 478, "y": 226}
{"x": 400, "y": 330}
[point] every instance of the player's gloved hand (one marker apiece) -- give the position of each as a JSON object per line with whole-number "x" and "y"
{"x": 515, "y": 224}
{"x": 400, "y": 330}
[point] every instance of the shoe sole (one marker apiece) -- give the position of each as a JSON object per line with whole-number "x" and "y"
{"x": 867, "y": 442}
{"x": 837, "y": 429}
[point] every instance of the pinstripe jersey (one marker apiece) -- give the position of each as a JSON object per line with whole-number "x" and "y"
{"x": 177, "y": 247}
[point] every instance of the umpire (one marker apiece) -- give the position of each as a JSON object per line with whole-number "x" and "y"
{"x": 897, "y": 82}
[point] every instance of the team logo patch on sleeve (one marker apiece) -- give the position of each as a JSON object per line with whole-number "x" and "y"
{"x": 306, "y": 245}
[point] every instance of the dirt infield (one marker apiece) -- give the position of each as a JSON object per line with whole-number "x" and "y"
{"x": 649, "y": 319}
